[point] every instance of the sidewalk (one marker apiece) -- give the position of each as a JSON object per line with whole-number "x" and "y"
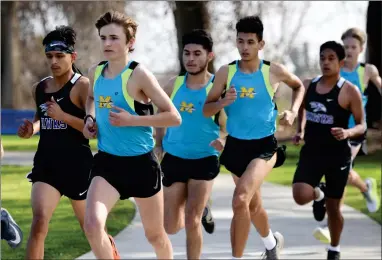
{"x": 296, "y": 223}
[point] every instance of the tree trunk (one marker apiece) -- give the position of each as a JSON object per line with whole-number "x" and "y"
{"x": 374, "y": 56}
{"x": 373, "y": 30}
{"x": 8, "y": 10}
{"x": 189, "y": 15}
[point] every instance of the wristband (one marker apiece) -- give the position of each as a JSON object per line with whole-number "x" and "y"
{"x": 87, "y": 116}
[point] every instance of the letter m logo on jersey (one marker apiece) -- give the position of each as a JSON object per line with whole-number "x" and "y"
{"x": 184, "y": 107}
{"x": 250, "y": 92}
{"x": 105, "y": 102}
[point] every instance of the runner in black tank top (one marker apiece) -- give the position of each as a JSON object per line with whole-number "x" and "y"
{"x": 55, "y": 133}
{"x": 63, "y": 158}
{"x": 360, "y": 74}
{"x": 323, "y": 112}
{"x": 329, "y": 101}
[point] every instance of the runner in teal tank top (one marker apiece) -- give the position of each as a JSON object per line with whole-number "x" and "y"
{"x": 359, "y": 74}
{"x": 120, "y": 115}
{"x": 245, "y": 89}
{"x": 190, "y": 163}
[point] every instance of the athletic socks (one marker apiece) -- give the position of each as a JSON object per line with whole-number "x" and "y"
{"x": 334, "y": 248}
{"x": 269, "y": 241}
{"x": 319, "y": 194}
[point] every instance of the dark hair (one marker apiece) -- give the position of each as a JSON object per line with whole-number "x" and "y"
{"x": 62, "y": 33}
{"x": 128, "y": 24}
{"x": 334, "y": 46}
{"x": 198, "y": 36}
{"x": 251, "y": 24}
{"x": 65, "y": 34}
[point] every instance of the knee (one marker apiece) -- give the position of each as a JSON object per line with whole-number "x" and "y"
{"x": 156, "y": 238}
{"x": 171, "y": 228}
{"x": 92, "y": 226}
{"x": 255, "y": 208}
{"x": 193, "y": 219}
{"x": 40, "y": 225}
{"x": 302, "y": 193}
{"x": 240, "y": 203}
{"x": 173, "y": 222}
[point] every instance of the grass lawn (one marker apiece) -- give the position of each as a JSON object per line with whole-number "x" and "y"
{"x": 15, "y": 143}
{"x": 366, "y": 166}
{"x": 65, "y": 239}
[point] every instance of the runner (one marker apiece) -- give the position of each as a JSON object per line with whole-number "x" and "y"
{"x": 190, "y": 164}
{"x": 248, "y": 86}
{"x": 359, "y": 74}
{"x": 328, "y": 103}
{"x": 63, "y": 159}
{"x": 120, "y": 114}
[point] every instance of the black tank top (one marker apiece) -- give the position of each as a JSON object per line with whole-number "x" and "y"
{"x": 322, "y": 113}
{"x": 55, "y": 135}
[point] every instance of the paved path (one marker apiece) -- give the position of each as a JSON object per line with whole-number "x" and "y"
{"x": 361, "y": 238}
{"x": 296, "y": 223}
{"x": 18, "y": 158}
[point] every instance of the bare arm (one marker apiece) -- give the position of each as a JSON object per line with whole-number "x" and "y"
{"x": 374, "y": 76}
{"x": 283, "y": 75}
{"x": 83, "y": 88}
{"x": 356, "y": 108}
{"x": 36, "y": 118}
{"x": 169, "y": 115}
{"x": 213, "y": 104}
{"x": 301, "y": 119}
{"x": 89, "y": 104}
{"x": 160, "y": 131}
{"x": 223, "y": 124}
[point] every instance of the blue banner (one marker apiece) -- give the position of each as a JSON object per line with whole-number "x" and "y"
{"x": 11, "y": 120}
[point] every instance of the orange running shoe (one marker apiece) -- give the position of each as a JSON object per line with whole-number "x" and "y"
{"x": 115, "y": 250}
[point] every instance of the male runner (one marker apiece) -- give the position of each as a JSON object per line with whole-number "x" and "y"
{"x": 120, "y": 114}
{"x": 10, "y": 231}
{"x": 190, "y": 163}
{"x": 328, "y": 103}
{"x": 359, "y": 74}
{"x": 63, "y": 158}
{"x": 248, "y": 86}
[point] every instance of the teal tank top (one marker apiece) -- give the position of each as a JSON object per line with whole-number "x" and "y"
{"x": 191, "y": 139}
{"x": 253, "y": 114}
{"x": 356, "y": 77}
{"x": 116, "y": 140}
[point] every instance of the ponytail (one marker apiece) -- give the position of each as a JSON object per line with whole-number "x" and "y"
{"x": 76, "y": 70}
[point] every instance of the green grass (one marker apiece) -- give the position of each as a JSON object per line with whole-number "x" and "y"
{"x": 15, "y": 143}
{"x": 366, "y": 166}
{"x": 65, "y": 239}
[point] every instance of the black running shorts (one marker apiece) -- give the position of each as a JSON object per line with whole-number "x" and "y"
{"x": 67, "y": 172}
{"x": 312, "y": 166}
{"x": 176, "y": 169}
{"x": 237, "y": 153}
{"x": 132, "y": 176}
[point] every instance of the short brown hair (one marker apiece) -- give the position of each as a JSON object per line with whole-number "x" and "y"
{"x": 355, "y": 33}
{"x": 128, "y": 24}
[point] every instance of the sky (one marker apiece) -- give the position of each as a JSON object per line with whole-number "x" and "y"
{"x": 317, "y": 29}
{"x": 156, "y": 45}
